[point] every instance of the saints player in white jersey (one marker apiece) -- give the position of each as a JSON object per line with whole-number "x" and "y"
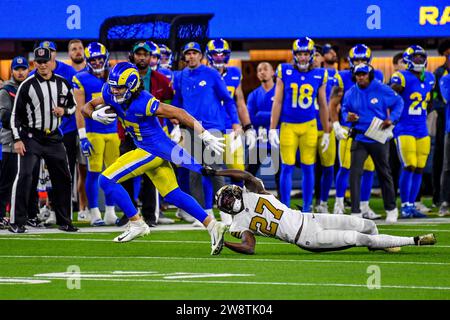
{"x": 257, "y": 212}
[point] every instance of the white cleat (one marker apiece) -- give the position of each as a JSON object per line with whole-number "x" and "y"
{"x": 96, "y": 218}
{"x": 371, "y": 215}
{"x": 217, "y": 237}
{"x": 135, "y": 229}
{"x": 392, "y": 216}
{"x": 338, "y": 209}
{"x": 421, "y": 207}
{"x": 110, "y": 216}
{"x": 183, "y": 215}
{"x": 358, "y": 215}
{"x": 322, "y": 208}
{"x": 226, "y": 218}
{"x": 51, "y": 218}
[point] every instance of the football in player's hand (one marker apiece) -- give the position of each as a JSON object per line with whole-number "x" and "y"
{"x": 108, "y": 110}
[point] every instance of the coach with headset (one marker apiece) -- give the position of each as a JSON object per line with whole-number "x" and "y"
{"x": 367, "y": 99}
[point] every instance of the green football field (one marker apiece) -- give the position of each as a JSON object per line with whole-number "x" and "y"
{"x": 176, "y": 265}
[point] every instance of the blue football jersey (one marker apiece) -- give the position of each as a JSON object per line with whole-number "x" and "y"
{"x": 300, "y": 92}
{"x": 92, "y": 88}
{"x": 416, "y": 95}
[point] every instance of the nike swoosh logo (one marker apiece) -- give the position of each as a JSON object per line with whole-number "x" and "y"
{"x": 121, "y": 238}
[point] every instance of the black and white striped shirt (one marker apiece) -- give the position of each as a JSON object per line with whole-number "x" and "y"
{"x": 34, "y": 103}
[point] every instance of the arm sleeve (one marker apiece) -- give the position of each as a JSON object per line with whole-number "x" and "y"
{"x": 17, "y": 111}
{"x": 5, "y": 109}
{"x": 151, "y": 106}
{"x": 395, "y": 103}
{"x": 252, "y": 109}
{"x": 177, "y": 100}
{"x": 346, "y": 106}
{"x": 228, "y": 102}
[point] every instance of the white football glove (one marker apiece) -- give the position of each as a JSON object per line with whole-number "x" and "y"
{"x": 175, "y": 135}
{"x": 250, "y": 138}
{"x": 262, "y": 134}
{"x": 325, "y": 142}
{"x": 212, "y": 142}
{"x": 100, "y": 115}
{"x": 273, "y": 137}
{"x": 341, "y": 133}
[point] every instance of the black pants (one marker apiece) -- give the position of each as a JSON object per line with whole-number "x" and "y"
{"x": 394, "y": 164}
{"x": 7, "y": 176}
{"x": 380, "y": 155}
{"x": 147, "y": 195}
{"x": 53, "y": 151}
{"x": 445, "y": 177}
{"x": 254, "y": 163}
{"x": 438, "y": 156}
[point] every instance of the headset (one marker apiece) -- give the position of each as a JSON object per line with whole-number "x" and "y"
{"x": 371, "y": 73}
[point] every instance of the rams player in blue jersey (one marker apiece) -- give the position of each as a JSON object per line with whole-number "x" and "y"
{"x": 297, "y": 87}
{"x": 218, "y": 54}
{"x": 138, "y": 110}
{"x": 343, "y": 81}
{"x": 413, "y": 141}
{"x": 99, "y": 142}
{"x": 165, "y": 61}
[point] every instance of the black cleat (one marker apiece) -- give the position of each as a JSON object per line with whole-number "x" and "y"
{"x": 122, "y": 221}
{"x": 68, "y": 228}
{"x": 35, "y": 223}
{"x": 15, "y": 228}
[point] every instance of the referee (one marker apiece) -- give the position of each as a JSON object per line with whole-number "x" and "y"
{"x": 41, "y": 100}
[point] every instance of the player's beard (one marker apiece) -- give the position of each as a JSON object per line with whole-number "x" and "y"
{"x": 333, "y": 61}
{"x": 142, "y": 65}
{"x": 78, "y": 60}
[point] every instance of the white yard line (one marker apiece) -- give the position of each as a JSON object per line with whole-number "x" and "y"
{"x": 414, "y": 287}
{"x": 210, "y": 259}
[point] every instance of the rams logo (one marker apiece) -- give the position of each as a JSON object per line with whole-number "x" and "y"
{"x": 374, "y": 100}
{"x": 202, "y": 83}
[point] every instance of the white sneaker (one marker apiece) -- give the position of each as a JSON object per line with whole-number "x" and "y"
{"x": 217, "y": 235}
{"x": 110, "y": 216}
{"x": 322, "y": 208}
{"x": 443, "y": 209}
{"x": 226, "y": 218}
{"x": 392, "y": 216}
{"x": 96, "y": 217}
{"x": 338, "y": 209}
{"x": 134, "y": 230}
{"x": 84, "y": 215}
{"x": 162, "y": 219}
{"x": 371, "y": 215}
{"x": 51, "y": 218}
{"x": 183, "y": 215}
{"x": 421, "y": 207}
{"x": 44, "y": 213}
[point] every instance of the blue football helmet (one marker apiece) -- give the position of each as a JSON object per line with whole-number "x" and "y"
{"x": 93, "y": 51}
{"x": 218, "y": 53}
{"x": 304, "y": 44}
{"x": 415, "y": 58}
{"x": 359, "y": 52}
{"x": 166, "y": 53}
{"x": 154, "y": 51}
{"x": 123, "y": 75}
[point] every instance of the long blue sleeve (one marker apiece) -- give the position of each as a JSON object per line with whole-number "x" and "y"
{"x": 394, "y": 103}
{"x": 252, "y": 109}
{"x": 228, "y": 102}
{"x": 177, "y": 100}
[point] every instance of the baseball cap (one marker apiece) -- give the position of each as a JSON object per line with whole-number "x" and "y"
{"x": 42, "y": 54}
{"x": 362, "y": 68}
{"x": 192, "y": 46}
{"x": 141, "y": 45}
{"x": 48, "y": 44}
{"x": 19, "y": 62}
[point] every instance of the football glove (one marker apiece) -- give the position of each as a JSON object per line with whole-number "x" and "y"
{"x": 102, "y": 115}
{"x": 212, "y": 142}
{"x": 325, "y": 142}
{"x": 175, "y": 135}
{"x": 341, "y": 133}
{"x": 273, "y": 137}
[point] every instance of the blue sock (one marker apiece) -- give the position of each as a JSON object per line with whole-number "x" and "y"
{"x": 183, "y": 179}
{"x": 118, "y": 194}
{"x": 366, "y": 184}
{"x": 91, "y": 185}
{"x": 286, "y": 183}
{"x": 137, "y": 186}
{"x": 208, "y": 192}
{"x": 415, "y": 186}
{"x": 342, "y": 182}
{"x": 184, "y": 201}
{"x": 326, "y": 183}
{"x": 405, "y": 185}
{"x": 307, "y": 186}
